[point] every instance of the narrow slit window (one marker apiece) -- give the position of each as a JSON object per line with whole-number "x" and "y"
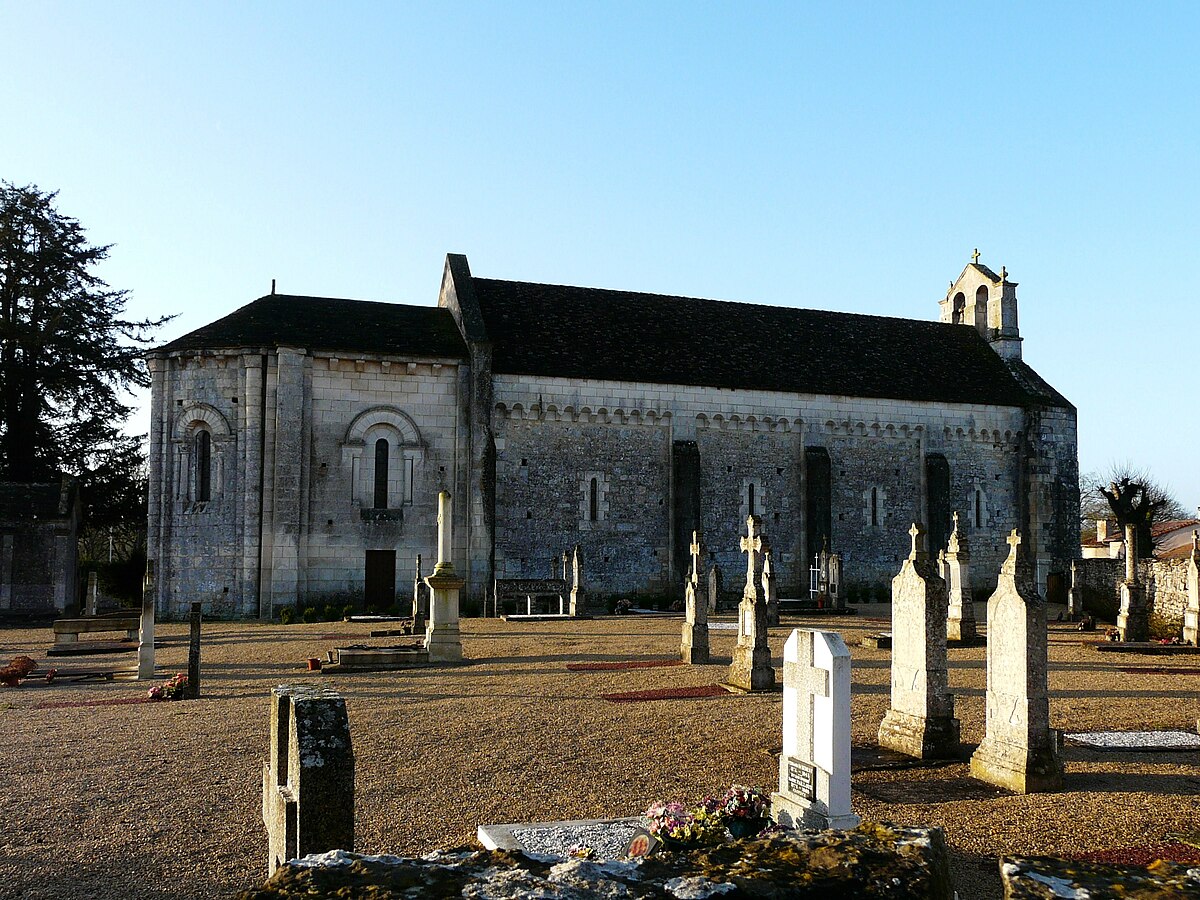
{"x": 594, "y": 500}
{"x": 750, "y": 497}
{"x": 874, "y": 506}
{"x": 381, "y": 474}
{"x": 978, "y": 508}
{"x": 203, "y": 466}
{"x": 409, "y": 480}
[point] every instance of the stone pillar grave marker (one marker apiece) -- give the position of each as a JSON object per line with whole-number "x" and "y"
{"x": 308, "y": 777}
{"x": 420, "y": 608}
{"x": 1191, "y": 612}
{"x": 770, "y": 588}
{"x": 1075, "y": 595}
{"x": 146, "y": 630}
{"x": 920, "y": 721}
{"x": 1019, "y": 751}
{"x": 693, "y": 648}
{"x": 93, "y": 591}
{"x": 960, "y": 614}
{"x": 1133, "y": 620}
{"x": 578, "y": 601}
{"x": 442, "y": 639}
{"x": 751, "y": 667}
{"x": 836, "y": 596}
{"x": 814, "y": 768}
{"x": 714, "y": 587}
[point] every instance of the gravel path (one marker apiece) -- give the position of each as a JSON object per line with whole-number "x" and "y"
{"x": 164, "y": 800}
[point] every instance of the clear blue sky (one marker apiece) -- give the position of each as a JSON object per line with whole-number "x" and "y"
{"x": 842, "y": 156}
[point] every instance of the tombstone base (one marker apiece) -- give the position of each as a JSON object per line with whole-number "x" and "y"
{"x": 923, "y": 737}
{"x": 791, "y": 812}
{"x": 1191, "y": 627}
{"x": 444, "y": 644}
{"x": 961, "y": 630}
{"x": 694, "y": 648}
{"x": 1133, "y": 621}
{"x": 1024, "y": 770}
{"x": 751, "y": 670}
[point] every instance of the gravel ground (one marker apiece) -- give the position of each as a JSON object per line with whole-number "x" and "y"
{"x": 164, "y": 800}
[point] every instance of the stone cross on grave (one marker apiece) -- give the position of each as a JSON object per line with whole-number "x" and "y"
{"x": 917, "y": 533}
{"x": 814, "y": 767}
{"x": 697, "y": 550}
{"x": 752, "y": 545}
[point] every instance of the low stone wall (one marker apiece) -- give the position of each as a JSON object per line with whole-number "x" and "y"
{"x": 1163, "y": 580}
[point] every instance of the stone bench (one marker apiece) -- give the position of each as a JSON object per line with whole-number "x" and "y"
{"x": 67, "y": 631}
{"x": 527, "y": 590}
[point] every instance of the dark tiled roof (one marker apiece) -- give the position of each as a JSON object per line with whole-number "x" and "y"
{"x": 574, "y": 332}
{"x": 325, "y": 323}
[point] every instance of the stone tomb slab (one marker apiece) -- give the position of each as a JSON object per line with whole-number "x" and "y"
{"x": 1148, "y": 647}
{"x": 1137, "y": 741}
{"x": 930, "y": 790}
{"x": 608, "y": 837}
{"x": 380, "y": 659}
{"x": 881, "y": 641}
{"x": 873, "y": 758}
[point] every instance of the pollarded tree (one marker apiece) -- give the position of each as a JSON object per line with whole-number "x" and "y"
{"x": 1133, "y": 498}
{"x": 68, "y": 357}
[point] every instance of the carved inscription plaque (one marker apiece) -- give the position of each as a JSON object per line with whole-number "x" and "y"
{"x": 802, "y": 779}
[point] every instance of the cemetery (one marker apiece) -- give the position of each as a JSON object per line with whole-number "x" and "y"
{"x": 955, "y": 769}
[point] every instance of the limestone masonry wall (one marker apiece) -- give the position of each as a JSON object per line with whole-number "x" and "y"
{"x": 1163, "y": 580}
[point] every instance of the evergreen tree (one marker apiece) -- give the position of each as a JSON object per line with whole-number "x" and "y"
{"x": 68, "y": 357}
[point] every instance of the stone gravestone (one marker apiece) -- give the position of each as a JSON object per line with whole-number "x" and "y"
{"x": 1191, "y": 612}
{"x": 770, "y": 587}
{"x": 146, "y": 630}
{"x": 93, "y": 592}
{"x": 920, "y": 721}
{"x": 1075, "y": 595}
{"x": 836, "y": 598}
{"x": 960, "y": 615}
{"x": 308, "y": 778}
{"x": 578, "y": 602}
{"x": 420, "y": 601}
{"x": 693, "y": 649}
{"x": 442, "y": 638}
{"x": 1133, "y": 620}
{"x": 193, "y": 676}
{"x": 714, "y": 587}
{"x": 814, "y": 768}
{"x": 1019, "y": 750}
{"x": 751, "y": 667}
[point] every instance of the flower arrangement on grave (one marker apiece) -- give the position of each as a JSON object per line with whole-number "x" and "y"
{"x": 741, "y": 812}
{"x": 175, "y": 689}
{"x": 744, "y": 810}
{"x": 581, "y": 851}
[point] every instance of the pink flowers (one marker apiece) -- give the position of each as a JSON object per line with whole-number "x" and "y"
{"x": 175, "y": 689}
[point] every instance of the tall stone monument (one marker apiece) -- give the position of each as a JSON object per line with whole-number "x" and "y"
{"x": 1019, "y": 750}
{"x": 921, "y": 721}
{"x": 578, "y": 602}
{"x": 442, "y": 638}
{"x": 960, "y": 615}
{"x": 714, "y": 587}
{"x": 146, "y": 629}
{"x": 420, "y": 609}
{"x": 308, "y": 778}
{"x": 770, "y": 587}
{"x": 1191, "y": 612}
{"x": 837, "y": 597}
{"x": 693, "y": 648}
{"x": 751, "y": 667}
{"x": 1133, "y": 619}
{"x": 1075, "y": 595}
{"x": 814, "y": 768}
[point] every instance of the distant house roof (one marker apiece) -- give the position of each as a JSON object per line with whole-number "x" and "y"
{"x": 1158, "y": 529}
{"x": 578, "y": 332}
{"x": 330, "y": 324}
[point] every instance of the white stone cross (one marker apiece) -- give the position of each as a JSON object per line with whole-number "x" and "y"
{"x": 918, "y": 541}
{"x": 808, "y": 682}
{"x": 751, "y": 544}
{"x": 694, "y": 575}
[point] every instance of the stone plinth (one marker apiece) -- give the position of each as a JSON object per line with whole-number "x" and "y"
{"x": 920, "y": 721}
{"x": 693, "y": 648}
{"x": 1019, "y": 750}
{"x": 814, "y": 767}
{"x": 442, "y": 639}
{"x": 308, "y": 779}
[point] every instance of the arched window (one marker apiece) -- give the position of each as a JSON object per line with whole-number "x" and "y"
{"x": 959, "y": 308}
{"x": 203, "y": 465}
{"x": 381, "y": 474}
{"x": 981, "y": 307}
{"x": 874, "y": 506}
{"x": 750, "y": 498}
{"x": 594, "y": 500}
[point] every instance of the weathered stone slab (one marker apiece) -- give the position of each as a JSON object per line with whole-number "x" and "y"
{"x": 870, "y": 862}
{"x": 920, "y": 721}
{"x": 1047, "y": 878}
{"x": 1019, "y": 750}
{"x": 814, "y": 766}
{"x": 881, "y": 641}
{"x": 308, "y": 778}
{"x": 524, "y": 836}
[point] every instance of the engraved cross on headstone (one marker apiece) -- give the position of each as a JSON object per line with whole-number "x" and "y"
{"x": 810, "y": 682}
{"x": 751, "y": 545}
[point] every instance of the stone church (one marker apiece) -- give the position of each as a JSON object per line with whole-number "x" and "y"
{"x": 298, "y": 445}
